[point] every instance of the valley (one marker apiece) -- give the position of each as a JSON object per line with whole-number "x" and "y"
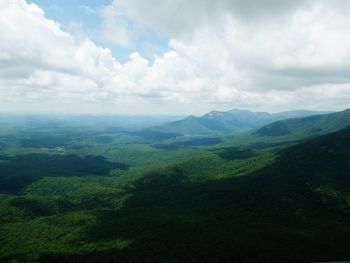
{"x": 98, "y": 192}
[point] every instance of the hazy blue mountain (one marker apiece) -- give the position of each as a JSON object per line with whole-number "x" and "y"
{"x": 97, "y": 121}
{"x": 217, "y": 123}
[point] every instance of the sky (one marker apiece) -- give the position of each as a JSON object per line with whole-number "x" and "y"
{"x": 174, "y": 56}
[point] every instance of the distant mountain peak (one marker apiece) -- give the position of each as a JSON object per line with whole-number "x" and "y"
{"x": 217, "y": 123}
{"x": 213, "y": 114}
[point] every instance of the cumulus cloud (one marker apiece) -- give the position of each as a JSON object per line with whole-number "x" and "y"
{"x": 247, "y": 49}
{"x": 117, "y": 29}
{"x": 181, "y": 17}
{"x": 262, "y": 55}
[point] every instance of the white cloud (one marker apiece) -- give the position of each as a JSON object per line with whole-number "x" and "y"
{"x": 272, "y": 56}
{"x": 181, "y": 17}
{"x": 44, "y": 62}
{"x": 116, "y": 28}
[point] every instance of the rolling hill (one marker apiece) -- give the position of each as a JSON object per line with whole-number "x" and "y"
{"x": 217, "y": 123}
{"x": 280, "y": 196}
{"x": 308, "y": 126}
{"x": 247, "y": 208}
{"x": 290, "y": 130}
{"x": 293, "y": 209}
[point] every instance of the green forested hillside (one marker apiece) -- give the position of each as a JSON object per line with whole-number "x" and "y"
{"x": 308, "y": 126}
{"x": 217, "y": 123}
{"x": 287, "y": 203}
{"x": 291, "y": 130}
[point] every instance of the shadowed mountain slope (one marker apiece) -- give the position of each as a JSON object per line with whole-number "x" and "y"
{"x": 293, "y": 209}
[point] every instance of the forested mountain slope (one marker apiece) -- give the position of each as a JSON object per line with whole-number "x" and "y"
{"x": 308, "y": 126}
{"x": 218, "y": 123}
{"x": 282, "y": 204}
{"x": 291, "y": 130}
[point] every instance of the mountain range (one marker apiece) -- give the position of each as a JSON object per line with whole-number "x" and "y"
{"x": 218, "y": 123}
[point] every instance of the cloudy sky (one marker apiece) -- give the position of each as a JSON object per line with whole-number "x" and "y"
{"x": 174, "y": 56}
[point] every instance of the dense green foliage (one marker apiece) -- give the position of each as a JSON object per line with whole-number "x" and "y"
{"x": 290, "y": 130}
{"x": 21, "y": 170}
{"x": 188, "y": 143}
{"x": 128, "y": 198}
